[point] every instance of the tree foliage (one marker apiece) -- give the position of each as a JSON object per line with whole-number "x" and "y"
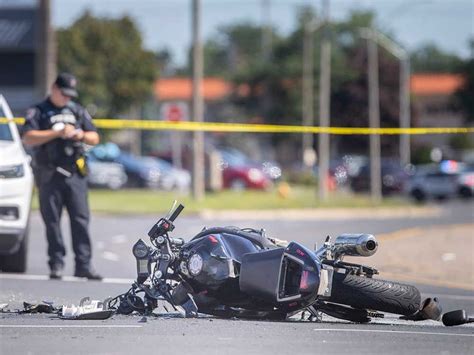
{"x": 431, "y": 59}
{"x": 107, "y": 56}
{"x": 274, "y": 86}
{"x": 465, "y": 95}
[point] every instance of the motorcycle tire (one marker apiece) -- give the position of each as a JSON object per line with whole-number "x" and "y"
{"x": 375, "y": 294}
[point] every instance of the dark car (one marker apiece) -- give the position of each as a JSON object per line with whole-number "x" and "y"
{"x": 466, "y": 182}
{"x": 393, "y": 177}
{"x": 141, "y": 171}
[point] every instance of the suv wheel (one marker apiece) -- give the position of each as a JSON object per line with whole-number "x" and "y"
{"x": 17, "y": 262}
{"x": 418, "y": 195}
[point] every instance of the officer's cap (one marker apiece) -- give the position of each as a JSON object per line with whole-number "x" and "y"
{"x": 67, "y": 84}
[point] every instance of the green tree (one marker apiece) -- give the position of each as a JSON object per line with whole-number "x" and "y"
{"x": 431, "y": 59}
{"x": 107, "y": 55}
{"x": 465, "y": 95}
{"x": 274, "y": 87}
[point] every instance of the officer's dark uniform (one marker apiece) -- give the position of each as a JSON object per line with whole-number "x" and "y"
{"x": 61, "y": 182}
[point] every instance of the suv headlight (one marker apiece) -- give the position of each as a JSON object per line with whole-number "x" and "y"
{"x": 12, "y": 171}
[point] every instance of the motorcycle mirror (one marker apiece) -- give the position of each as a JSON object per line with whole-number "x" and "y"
{"x": 171, "y": 209}
{"x": 457, "y": 317}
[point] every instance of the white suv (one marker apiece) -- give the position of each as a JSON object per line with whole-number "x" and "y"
{"x": 16, "y": 187}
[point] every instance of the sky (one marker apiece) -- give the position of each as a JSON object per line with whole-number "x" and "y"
{"x": 167, "y": 23}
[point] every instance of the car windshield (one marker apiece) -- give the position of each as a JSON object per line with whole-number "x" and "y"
{"x": 5, "y": 132}
{"x": 235, "y": 158}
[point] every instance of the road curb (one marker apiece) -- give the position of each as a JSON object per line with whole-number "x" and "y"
{"x": 324, "y": 214}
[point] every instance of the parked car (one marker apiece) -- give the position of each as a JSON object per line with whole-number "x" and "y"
{"x": 466, "y": 182}
{"x": 16, "y": 187}
{"x": 239, "y": 173}
{"x": 394, "y": 178}
{"x": 106, "y": 174}
{"x": 435, "y": 181}
{"x": 173, "y": 178}
{"x": 141, "y": 171}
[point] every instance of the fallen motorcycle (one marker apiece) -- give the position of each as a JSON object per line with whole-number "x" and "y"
{"x": 234, "y": 272}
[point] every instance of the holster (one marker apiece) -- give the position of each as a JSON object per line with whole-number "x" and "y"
{"x": 81, "y": 165}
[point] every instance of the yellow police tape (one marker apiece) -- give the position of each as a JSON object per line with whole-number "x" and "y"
{"x": 262, "y": 128}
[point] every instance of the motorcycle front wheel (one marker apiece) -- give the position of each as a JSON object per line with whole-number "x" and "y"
{"x": 375, "y": 294}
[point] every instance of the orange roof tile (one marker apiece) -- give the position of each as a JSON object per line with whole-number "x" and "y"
{"x": 435, "y": 84}
{"x": 181, "y": 89}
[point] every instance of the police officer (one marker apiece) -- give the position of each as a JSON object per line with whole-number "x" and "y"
{"x": 57, "y": 128}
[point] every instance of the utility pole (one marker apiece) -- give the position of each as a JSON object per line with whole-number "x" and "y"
{"x": 46, "y": 55}
{"x": 374, "y": 118}
{"x": 405, "y": 116}
{"x": 308, "y": 153}
{"x": 404, "y": 113}
{"x": 308, "y": 94}
{"x": 197, "y": 103}
{"x": 324, "y": 104}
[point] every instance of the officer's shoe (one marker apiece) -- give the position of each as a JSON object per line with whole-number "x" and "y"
{"x": 88, "y": 274}
{"x": 56, "y": 274}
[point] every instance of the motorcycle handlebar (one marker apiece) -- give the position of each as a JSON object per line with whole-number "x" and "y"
{"x": 176, "y": 212}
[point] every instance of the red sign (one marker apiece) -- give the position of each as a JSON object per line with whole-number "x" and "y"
{"x": 174, "y": 111}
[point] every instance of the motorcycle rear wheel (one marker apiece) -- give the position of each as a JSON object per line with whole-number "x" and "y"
{"x": 375, "y": 294}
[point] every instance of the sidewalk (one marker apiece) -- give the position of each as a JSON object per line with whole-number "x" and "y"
{"x": 439, "y": 255}
{"x": 323, "y": 213}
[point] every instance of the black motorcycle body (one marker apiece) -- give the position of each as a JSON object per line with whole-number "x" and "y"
{"x": 227, "y": 267}
{"x": 228, "y": 271}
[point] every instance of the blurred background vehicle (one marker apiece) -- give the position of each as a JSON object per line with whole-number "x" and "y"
{"x": 148, "y": 172}
{"x": 141, "y": 171}
{"x": 436, "y": 181}
{"x": 240, "y": 172}
{"x": 466, "y": 182}
{"x": 173, "y": 178}
{"x": 16, "y": 188}
{"x": 106, "y": 174}
{"x": 394, "y": 178}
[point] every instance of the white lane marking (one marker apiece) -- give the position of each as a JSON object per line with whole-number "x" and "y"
{"x": 67, "y": 326}
{"x": 108, "y": 255}
{"x": 454, "y": 297}
{"x": 389, "y": 332}
{"x": 446, "y": 257}
{"x": 100, "y": 245}
{"x": 65, "y": 278}
{"x": 119, "y": 239}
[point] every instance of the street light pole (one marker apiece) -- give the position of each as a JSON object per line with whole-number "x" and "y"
{"x": 374, "y": 118}
{"x": 308, "y": 153}
{"x": 405, "y": 156}
{"x": 324, "y": 104}
{"x": 402, "y": 55}
{"x": 197, "y": 103}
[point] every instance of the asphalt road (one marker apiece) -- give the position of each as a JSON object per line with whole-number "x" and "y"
{"x": 113, "y": 238}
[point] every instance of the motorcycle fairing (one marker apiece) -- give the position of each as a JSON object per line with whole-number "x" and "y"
{"x": 282, "y": 275}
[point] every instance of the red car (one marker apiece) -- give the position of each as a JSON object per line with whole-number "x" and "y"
{"x": 239, "y": 174}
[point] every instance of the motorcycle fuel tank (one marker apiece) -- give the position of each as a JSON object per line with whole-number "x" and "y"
{"x": 212, "y": 261}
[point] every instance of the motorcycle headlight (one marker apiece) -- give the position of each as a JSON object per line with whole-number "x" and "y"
{"x": 140, "y": 250}
{"x": 12, "y": 171}
{"x": 195, "y": 264}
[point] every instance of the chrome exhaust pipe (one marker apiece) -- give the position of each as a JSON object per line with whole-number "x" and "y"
{"x": 354, "y": 245}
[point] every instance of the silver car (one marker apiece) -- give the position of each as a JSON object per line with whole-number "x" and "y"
{"x": 106, "y": 174}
